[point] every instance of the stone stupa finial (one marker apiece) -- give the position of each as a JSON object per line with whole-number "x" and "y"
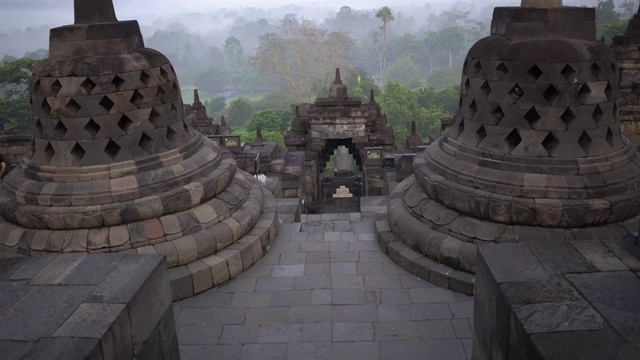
{"x": 94, "y": 11}
{"x": 196, "y": 97}
{"x": 372, "y": 97}
{"x": 338, "y": 88}
{"x": 259, "y": 137}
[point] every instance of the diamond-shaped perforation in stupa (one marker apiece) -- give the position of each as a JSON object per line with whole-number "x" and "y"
{"x": 568, "y": 72}
{"x": 92, "y": 128}
{"x": 535, "y": 73}
{"x": 497, "y": 114}
{"x": 87, "y": 86}
{"x": 568, "y": 117}
{"x": 516, "y": 92}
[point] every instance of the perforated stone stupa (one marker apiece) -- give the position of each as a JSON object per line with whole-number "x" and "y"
{"x": 115, "y": 165}
{"x": 535, "y": 151}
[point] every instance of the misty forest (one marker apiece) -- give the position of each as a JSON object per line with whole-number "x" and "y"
{"x": 254, "y": 65}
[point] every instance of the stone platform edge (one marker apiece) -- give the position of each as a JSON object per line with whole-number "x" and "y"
{"x": 419, "y": 265}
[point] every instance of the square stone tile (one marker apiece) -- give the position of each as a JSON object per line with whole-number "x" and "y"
{"x": 394, "y": 313}
{"x": 192, "y": 352}
{"x": 352, "y": 331}
{"x": 355, "y": 313}
{"x": 369, "y": 268}
{"x": 309, "y": 351}
{"x": 355, "y": 351}
{"x": 347, "y": 296}
{"x": 298, "y": 237}
{"x": 277, "y": 333}
{"x": 194, "y": 316}
{"x": 314, "y": 246}
{"x": 395, "y": 296}
{"x": 257, "y": 271}
{"x": 317, "y": 257}
{"x": 447, "y": 349}
{"x": 397, "y": 331}
{"x": 310, "y": 314}
{"x": 198, "y": 334}
{"x": 344, "y": 256}
{"x": 404, "y": 350}
{"x": 317, "y": 269}
{"x": 294, "y": 258}
{"x": 312, "y": 282}
{"x": 346, "y": 235}
{"x": 248, "y": 300}
{"x": 347, "y": 282}
{"x": 363, "y": 246}
{"x": 462, "y": 309}
{"x": 431, "y": 295}
{"x": 287, "y": 270}
{"x": 264, "y": 352}
{"x": 346, "y": 268}
{"x": 222, "y": 352}
{"x": 338, "y": 246}
{"x": 318, "y": 332}
{"x": 239, "y": 334}
{"x": 331, "y": 236}
{"x": 228, "y": 316}
{"x": 422, "y": 312}
{"x": 238, "y": 285}
{"x": 291, "y": 298}
{"x": 262, "y": 316}
{"x": 375, "y": 256}
{"x": 275, "y": 284}
{"x": 412, "y": 281}
{"x": 382, "y": 282}
{"x": 285, "y": 247}
{"x": 210, "y": 298}
{"x": 437, "y": 329}
{"x": 321, "y": 297}
{"x": 462, "y": 328}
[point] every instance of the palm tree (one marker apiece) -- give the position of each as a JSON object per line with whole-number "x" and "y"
{"x": 386, "y": 16}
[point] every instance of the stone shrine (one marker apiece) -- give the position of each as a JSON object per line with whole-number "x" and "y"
{"x": 339, "y": 120}
{"x": 115, "y": 166}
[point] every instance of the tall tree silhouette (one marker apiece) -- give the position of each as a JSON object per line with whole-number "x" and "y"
{"x": 386, "y": 16}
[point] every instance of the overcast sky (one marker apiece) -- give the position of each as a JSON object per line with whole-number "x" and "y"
{"x": 25, "y": 13}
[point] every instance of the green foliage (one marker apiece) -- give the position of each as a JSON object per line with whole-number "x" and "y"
{"x": 401, "y": 106}
{"x": 278, "y": 100}
{"x": 250, "y": 136}
{"x": 360, "y": 84}
{"x": 216, "y": 105}
{"x": 240, "y": 110}
{"x": 446, "y": 99}
{"x": 212, "y": 80}
{"x": 270, "y": 120}
{"x": 445, "y": 78}
{"x": 608, "y": 31}
{"x": 404, "y": 71}
{"x": 233, "y": 50}
{"x": 14, "y": 95}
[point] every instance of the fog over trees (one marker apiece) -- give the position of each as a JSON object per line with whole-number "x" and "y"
{"x": 271, "y": 58}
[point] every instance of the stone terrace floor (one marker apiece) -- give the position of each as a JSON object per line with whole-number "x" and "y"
{"x": 326, "y": 291}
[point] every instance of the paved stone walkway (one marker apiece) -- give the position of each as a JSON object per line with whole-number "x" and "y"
{"x": 326, "y": 291}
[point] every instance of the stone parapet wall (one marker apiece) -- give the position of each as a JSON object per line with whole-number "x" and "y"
{"x": 86, "y": 306}
{"x": 551, "y": 299}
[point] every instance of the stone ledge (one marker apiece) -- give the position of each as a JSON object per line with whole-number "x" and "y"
{"x": 98, "y": 306}
{"x": 527, "y": 306}
{"x": 420, "y": 265}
